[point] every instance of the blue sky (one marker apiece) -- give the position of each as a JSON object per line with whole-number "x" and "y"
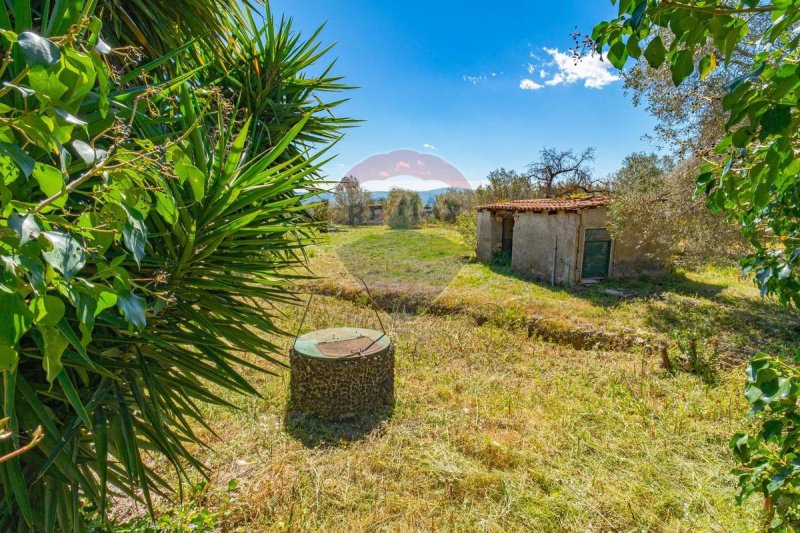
{"x": 463, "y": 80}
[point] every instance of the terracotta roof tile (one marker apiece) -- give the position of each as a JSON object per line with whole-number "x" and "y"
{"x": 545, "y": 205}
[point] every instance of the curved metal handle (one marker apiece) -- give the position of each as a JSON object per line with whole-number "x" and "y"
{"x": 371, "y": 302}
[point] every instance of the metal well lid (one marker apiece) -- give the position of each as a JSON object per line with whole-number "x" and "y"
{"x": 338, "y": 343}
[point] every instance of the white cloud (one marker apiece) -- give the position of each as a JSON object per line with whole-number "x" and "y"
{"x": 474, "y": 80}
{"x": 529, "y": 85}
{"x": 593, "y": 71}
{"x": 429, "y": 146}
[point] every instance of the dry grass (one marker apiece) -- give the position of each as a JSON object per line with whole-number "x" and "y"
{"x": 434, "y": 265}
{"x": 491, "y": 431}
{"x": 494, "y": 430}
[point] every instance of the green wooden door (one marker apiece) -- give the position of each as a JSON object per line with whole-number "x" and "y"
{"x": 596, "y": 253}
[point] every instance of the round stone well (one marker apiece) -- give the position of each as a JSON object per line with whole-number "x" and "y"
{"x": 342, "y": 373}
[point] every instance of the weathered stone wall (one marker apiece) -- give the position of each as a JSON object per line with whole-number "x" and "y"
{"x": 535, "y": 239}
{"x": 490, "y": 235}
{"x": 536, "y": 236}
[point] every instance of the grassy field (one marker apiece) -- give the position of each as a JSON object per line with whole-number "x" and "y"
{"x": 494, "y": 430}
{"x": 434, "y": 265}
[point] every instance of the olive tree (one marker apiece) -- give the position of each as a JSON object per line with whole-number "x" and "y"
{"x": 561, "y": 171}
{"x": 753, "y": 179}
{"x": 653, "y": 208}
{"x": 351, "y": 200}
{"x": 405, "y": 209}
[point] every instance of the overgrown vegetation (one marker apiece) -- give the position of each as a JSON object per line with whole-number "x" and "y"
{"x": 491, "y": 431}
{"x": 449, "y": 205}
{"x": 752, "y": 177}
{"x": 404, "y": 209}
{"x": 350, "y": 202}
{"x": 144, "y": 225}
{"x": 653, "y": 207}
{"x": 467, "y": 225}
{"x": 432, "y": 269}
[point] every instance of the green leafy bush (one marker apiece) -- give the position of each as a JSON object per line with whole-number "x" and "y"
{"x": 769, "y": 456}
{"x": 143, "y": 226}
{"x": 752, "y": 178}
{"x": 405, "y": 209}
{"x": 451, "y": 203}
{"x": 467, "y": 224}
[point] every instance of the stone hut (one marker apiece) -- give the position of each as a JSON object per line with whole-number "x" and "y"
{"x": 375, "y": 214}
{"x": 559, "y": 241}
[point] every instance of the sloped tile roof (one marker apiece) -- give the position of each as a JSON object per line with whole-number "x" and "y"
{"x": 546, "y": 205}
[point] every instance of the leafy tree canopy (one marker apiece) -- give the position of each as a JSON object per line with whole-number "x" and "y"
{"x": 752, "y": 177}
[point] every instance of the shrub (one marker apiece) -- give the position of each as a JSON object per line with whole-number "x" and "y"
{"x": 405, "y": 209}
{"x": 467, "y": 224}
{"x": 143, "y": 228}
{"x": 452, "y": 203}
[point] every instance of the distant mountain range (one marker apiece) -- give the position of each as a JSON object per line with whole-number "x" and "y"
{"x": 428, "y": 197}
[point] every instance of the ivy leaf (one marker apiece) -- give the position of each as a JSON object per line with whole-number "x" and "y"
{"x": 655, "y": 53}
{"x": 37, "y": 50}
{"x": 23, "y": 160}
{"x": 134, "y": 234}
{"x": 67, "y": 255}
{"x": 16, "y": 318}
{"x": 89, "y": 155}
{"x": 54, "y": 345}
{"x": 9, "y": 357}
{"x": 132, "y": 308}
{"x": 776, "y": 120}
{"x": 25, "y": 225}
{"x": 47, "y": 310}
{"x": 682, "y": 66}
{"x": 753, "y": 393}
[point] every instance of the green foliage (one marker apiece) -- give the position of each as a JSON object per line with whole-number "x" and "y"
{"x": 754, "y": 180}
{"x": 145, "y": 227}
{"x": 405, "y": 209}
{"x": 505, "y": 185}
{"x": 451, "y": 203}
{"x": 350, "y": 201}
{"x": 195, "y": 513}
{"x": 653, "y": 207}
{"x": 695, "y": 342}
{"x": 769, "y": 455}
{"x": 467, "y": 224}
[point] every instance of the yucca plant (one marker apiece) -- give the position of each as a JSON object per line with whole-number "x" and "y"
{"x": 146, "y": 235}
{"x": 267, "y": 74}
